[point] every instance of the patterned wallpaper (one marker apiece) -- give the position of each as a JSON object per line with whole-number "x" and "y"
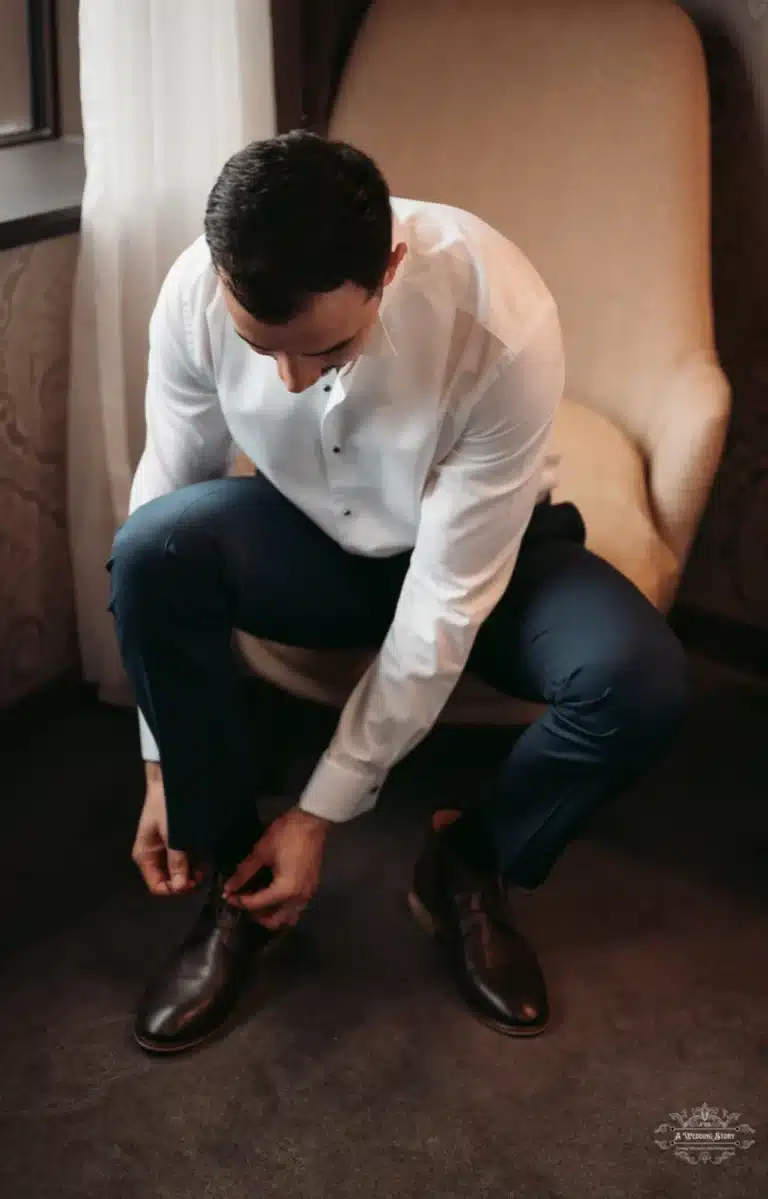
{"x": 37, "y": 634}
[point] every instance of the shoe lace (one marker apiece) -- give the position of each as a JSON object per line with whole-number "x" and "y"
{"x": 224, "y": 916}
{"x": 482, "y": 912}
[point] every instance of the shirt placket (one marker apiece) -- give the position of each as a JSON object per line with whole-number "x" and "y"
{"x": 339, "y": 467}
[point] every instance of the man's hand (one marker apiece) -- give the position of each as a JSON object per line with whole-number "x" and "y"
{"x": 292, "y": 848}
{"x": 165, "y": 871}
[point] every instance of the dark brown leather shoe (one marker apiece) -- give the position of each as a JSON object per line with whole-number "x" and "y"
{"x": 495, "y": 968}
{"x": 196, "y": 988}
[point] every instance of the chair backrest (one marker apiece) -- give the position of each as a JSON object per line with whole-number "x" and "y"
{"x": 580, "y": 129}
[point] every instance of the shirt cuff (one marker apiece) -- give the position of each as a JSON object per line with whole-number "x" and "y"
{"x": 149, "y": 750}
{"x": 338, "y": 794}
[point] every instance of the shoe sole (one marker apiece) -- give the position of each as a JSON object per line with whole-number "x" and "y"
{"x": 427, "y": 923}
{"x": 159, "y": 1050}
{"x": 172, "y": 1050}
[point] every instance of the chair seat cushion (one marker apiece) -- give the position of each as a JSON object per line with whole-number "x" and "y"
{"x": 604, "y": 475}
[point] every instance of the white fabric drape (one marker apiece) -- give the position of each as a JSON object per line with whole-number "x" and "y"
{"x": 170, "y": 88}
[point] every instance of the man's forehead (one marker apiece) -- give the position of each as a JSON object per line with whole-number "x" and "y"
{"x": 332, "y": 319}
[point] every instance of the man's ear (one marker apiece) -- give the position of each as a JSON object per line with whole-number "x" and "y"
{"x": 395, "y": 258}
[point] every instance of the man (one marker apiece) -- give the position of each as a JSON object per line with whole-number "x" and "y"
{"x": 393, "y": 369}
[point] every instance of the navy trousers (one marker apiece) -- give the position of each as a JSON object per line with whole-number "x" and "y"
{"x": 190, "y": 567}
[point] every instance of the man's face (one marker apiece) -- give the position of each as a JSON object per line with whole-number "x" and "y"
{"x": 330, "y": 333}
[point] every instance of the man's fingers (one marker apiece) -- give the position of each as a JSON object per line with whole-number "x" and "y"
{"x": 245, "y": 871}
{"x": 273, "y": 896}
{"x": 285, "y": 916}
{"x": 178, "y": 870}
{"x": 152, "y": 867}
{"x": 166, "y": 872}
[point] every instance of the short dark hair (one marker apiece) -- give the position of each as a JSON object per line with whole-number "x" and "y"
{"x": 294, "y": 216}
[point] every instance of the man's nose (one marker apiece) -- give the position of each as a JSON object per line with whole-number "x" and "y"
{"x": 297, "y": 375}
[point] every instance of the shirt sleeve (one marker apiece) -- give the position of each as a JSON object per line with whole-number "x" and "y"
{"x": 187, "y": 436}
{"x": 473, "y": 517}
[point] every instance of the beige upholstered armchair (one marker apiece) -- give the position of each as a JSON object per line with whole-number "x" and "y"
{"x": 580, "y": 129}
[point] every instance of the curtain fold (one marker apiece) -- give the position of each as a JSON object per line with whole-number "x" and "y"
{"x": 170, "y": 88}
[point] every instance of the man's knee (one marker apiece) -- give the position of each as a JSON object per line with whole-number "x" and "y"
{"x": 138, "y": 563}
{"x": 633, "y": 692}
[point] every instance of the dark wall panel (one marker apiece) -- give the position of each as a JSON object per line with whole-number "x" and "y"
{"x": 311, "y": 42}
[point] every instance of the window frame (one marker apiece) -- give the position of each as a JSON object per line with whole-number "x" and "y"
{"x": 43, "y": 76}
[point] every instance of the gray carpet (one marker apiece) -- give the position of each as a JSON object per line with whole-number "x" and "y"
{"x": 355, "y": 1072}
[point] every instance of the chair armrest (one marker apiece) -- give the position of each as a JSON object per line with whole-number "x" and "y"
{"x": 686, "y": 446}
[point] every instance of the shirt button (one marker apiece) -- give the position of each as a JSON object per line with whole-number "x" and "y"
{"x": 337, "y": 449}
{"x": 347, "y": 512}
{"x": 327, "y": 387}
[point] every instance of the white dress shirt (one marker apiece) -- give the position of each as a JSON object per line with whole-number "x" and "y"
{"x": 442, "y": 426}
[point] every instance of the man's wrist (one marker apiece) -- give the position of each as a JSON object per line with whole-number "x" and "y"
{"x": 317, "y": 823}
{"x": 154, "y": 773}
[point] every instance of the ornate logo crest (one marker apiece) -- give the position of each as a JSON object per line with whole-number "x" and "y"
{"x": 705, "y": 1134}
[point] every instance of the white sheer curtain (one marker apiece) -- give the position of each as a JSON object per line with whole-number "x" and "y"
{"x": 170, "y": 88}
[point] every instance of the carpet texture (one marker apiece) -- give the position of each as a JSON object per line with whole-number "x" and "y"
{"x": 355, "y": 1072}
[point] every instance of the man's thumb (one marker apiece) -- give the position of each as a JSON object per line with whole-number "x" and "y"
{"x": 178, "y": 869}
{"x": 245, "y": 870}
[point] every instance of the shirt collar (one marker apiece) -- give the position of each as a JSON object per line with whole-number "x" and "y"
{"x": 379, "y": 343}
